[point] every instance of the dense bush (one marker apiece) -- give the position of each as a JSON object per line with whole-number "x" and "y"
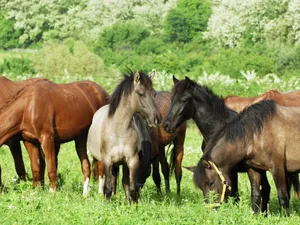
{"x": 121, "y": 36}
{"x": 17, "y": 66}
{"x": 9, "y": 37}
{"x": 185, "y": 21}
{"x": 69, "y": 58}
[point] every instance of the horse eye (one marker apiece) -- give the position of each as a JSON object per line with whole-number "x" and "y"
{"x": 140, "y": 94}
{"x": 211, "y": 183}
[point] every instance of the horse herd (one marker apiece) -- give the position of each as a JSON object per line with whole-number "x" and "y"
{"x": 132, "y": 126}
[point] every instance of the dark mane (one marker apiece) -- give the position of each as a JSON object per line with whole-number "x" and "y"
{"x": 125, "y": 88}
{"x": 204, "y": 93}
{"x": 249, "y": 122}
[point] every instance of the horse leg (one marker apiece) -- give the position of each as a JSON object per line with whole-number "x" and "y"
{"x": 133, "y": 171}
{"x": 165, "y": 167}
{"x": 99, "y": 173}
{"x": 107, "y": 182}
{"x": 114, "y": 180}
{"x": 234, "y": 184}
{"x": 37, "y": 163}
{"x": 48, "y": 148}
{"x": 266, "y": 188}
{"x": 80, "y": 144}
{"x": 255, "y": 181}
{"x": 125, "y": 182}
{"x": 279, "y": 177}
{"x": 156, "y": 175}
{"x": 16, "y": 151}
{"x": 178, "y": 147}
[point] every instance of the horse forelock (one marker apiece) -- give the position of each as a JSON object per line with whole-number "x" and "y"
{"x": 125, "y": 88}
{"x": 249, "y": 122}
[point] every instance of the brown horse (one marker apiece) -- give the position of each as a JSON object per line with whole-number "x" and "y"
{"x": 290, "y": 98}
{"x": 48, "y": 114}
{"x": 265, "y": 136}
{"x": 9, "y": 91}
{"x": 114, "y": 135}
{"x": 160, "y": 139}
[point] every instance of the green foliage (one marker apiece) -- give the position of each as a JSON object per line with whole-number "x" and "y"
{"x": 17, "y": 66}
{"x": 69, "y": 58}
{"x": 121, "y": 36}
{"x": 185, "y": 21}
{"x": 9, "y": 37}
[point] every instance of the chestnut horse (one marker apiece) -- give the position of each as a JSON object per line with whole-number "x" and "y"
{"x": 190, "y": 100}
{"x": 265, "y": 136}
{"x": 48, "y": 114}
{"x": 10, "y": 90}
{"x": 290, "y": 98}
{"x": 114, "y": 136}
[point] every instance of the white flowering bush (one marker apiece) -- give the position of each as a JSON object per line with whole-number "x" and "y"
{"x": 231, "y": 20}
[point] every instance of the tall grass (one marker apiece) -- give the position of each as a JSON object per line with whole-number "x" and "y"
{"x": 22, "y": 204}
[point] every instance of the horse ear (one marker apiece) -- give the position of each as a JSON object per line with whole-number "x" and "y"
{"x": 175, "y": 80}
{"x": 206, "y": 164}
{"x": 190, "y": 168}
{"x": 136, "y": 77}
{"x": 152, "y": 74}
{"x": 187, "y": 78}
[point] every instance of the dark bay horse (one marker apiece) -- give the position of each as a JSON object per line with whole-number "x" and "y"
{"x": 160, "y": 139}
{"x": 190, "y": 100}
{"x": 290, "y": 98}
{"x": 48, "y": 114}
{"x": 114, "y": 137}
{"x": 265, "y": 136}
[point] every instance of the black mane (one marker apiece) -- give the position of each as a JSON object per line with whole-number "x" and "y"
{"x": 249, "y": 122}
{"x": 219, "y": 110}
{"x": 125, "y": 88}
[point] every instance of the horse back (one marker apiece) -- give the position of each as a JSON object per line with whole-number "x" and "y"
{"x": 65, "y": 110}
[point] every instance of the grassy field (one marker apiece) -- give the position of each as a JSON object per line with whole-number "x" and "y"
{"x": 22, "y": 204}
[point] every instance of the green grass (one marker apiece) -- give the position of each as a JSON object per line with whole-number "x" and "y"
{"x": 22, "y": 204}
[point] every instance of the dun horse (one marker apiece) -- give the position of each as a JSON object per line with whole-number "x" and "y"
{"x": 265, "y": 136}
{"x": 114, "y": 137}
{"x": 190, "y": 100}
{"x": 48, "y": 114}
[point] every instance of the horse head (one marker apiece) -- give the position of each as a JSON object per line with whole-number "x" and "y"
{"x": 143, "y": 98}
{"x": 181, "y": 108}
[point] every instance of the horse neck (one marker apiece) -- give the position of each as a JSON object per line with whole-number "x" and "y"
{"x": 227, "y": 155}
{"x": 207, "y": 120}
{"x": 123, "y": 115}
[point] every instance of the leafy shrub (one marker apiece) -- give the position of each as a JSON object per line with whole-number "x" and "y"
{"x": 69, "y": 58}
{"x": 120, "y": 36}
{"x": 9, "y": 37}
{"x": 17, "y": 66}
{"x": 185, "y": 21}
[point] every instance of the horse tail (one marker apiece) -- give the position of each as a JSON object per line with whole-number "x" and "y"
{"x": 172, "y": 158}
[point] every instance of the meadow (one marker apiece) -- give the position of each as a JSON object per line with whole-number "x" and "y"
{"x": 20, "y": 203}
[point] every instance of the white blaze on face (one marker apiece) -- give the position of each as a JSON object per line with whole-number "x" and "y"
{"x": 86, "y": 186}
